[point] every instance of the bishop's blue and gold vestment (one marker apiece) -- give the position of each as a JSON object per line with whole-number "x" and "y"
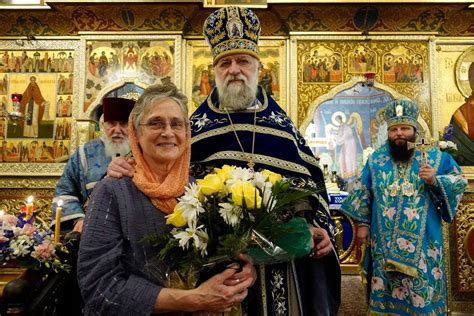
{"x": 279, "y": 147}
{"x": 405, "y": 264}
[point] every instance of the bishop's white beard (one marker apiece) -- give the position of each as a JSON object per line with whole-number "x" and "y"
{"x": 112, "y": 149}
{"x": 237, "y": 96}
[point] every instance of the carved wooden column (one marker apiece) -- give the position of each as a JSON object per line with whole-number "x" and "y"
{"x": 461, "y": 257}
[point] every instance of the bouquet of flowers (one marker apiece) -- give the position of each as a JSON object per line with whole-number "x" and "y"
{"x": 446, "y": 141}
{"x": 30, "y": 243}
{"x": 231, "y": 211}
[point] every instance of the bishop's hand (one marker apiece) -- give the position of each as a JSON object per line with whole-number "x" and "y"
{"x": 427, "y": 174}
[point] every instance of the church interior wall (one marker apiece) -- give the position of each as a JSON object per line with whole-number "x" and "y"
{"x": 293, "y": 37}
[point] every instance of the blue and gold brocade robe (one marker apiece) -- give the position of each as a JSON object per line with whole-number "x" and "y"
{"x": 85, "y": 168}
{"x": 279, "y": 147}
{"x": 405, "y": 263}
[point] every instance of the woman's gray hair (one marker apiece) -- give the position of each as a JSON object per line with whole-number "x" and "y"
{"x": 155, "y": 93}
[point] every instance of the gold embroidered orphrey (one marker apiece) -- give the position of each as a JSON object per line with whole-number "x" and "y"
{"x": 248, "y": 157}
{"x": 407, "y": 186}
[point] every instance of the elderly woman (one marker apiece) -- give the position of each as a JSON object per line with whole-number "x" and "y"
{"x": 117, "y": 270}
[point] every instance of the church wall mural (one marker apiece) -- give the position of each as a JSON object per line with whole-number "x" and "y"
{"x": 347, "y": 125}
{"x": 147, "y": 60}
{"x": 343, "y": 128}
{"x": 37, "y": 87}
{"x": 454, "y": 104}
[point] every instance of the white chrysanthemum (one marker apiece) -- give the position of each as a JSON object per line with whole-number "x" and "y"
{"x": 231, "y": 214}
{"x": 185, "y": 236}
{"x": 193, "y": 190}
{"x": 238, "y": 173}
{"x": 259, "y": 180}
{"x": 269, "y": 200}
{"x": 189, "y": 204}
{"x": 203, "y": 238}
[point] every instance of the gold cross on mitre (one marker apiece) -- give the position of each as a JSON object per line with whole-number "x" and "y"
{"x": 423, "y": 145}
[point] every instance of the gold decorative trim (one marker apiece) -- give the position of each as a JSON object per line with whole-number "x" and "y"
{"x": 465, "y": 269}
{"x": 352, "y": 269}
{"x": 127, "y": 33}
{"x": 458, "y": 267}
{"x": 31, "y": 169}
{"x": 85, "y": 131}
{"x": 70, "y": 44}
{"x": 344, "y": 37}
{"x": 364, "y": 37}
{"x": 466, "y": 245}
{"x": 28, "y": 182}
{"x": 40, "y": 37}
{"x": 347, "y": 257}
{"x": 22, "y": 193}
{"x": 434, "y": 108}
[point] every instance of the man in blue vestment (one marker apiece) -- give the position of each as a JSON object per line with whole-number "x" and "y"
{"x": 89, "y": 163}
{"x": 240, "y": 124}
{"x": 399, "y": 204}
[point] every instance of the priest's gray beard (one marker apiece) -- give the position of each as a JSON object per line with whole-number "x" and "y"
{"x": 112, "y": 149}
{"x": 237, "y": 96}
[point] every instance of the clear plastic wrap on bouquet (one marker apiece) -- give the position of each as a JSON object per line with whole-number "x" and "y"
{"x": 295, "y": 243}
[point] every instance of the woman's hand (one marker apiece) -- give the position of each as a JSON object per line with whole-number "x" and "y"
{"x": 248, "y": 271}
{"x": 321, "y": 243}
{"x": 215, "y": 296}
{"x": 121, "y": 166}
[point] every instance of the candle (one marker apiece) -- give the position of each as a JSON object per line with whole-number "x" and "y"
{"x": 29, "y": 207}
{"x": 57, "y": 223}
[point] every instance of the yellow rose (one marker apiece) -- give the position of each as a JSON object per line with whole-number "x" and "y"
{"x": 224, "y": 172}
{"x": 212, "y": 183}
{"x": 176, "y": 218}
{"x": 245, "y": 191}
{"x": 272, "y": 176}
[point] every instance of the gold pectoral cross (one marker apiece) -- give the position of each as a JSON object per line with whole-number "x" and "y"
{"x": 251, "y": 164}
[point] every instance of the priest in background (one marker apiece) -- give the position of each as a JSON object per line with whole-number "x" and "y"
{"x": 89, "y": 163}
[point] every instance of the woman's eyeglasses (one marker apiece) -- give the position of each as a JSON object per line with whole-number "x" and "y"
{"x": 159, "y": 125}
